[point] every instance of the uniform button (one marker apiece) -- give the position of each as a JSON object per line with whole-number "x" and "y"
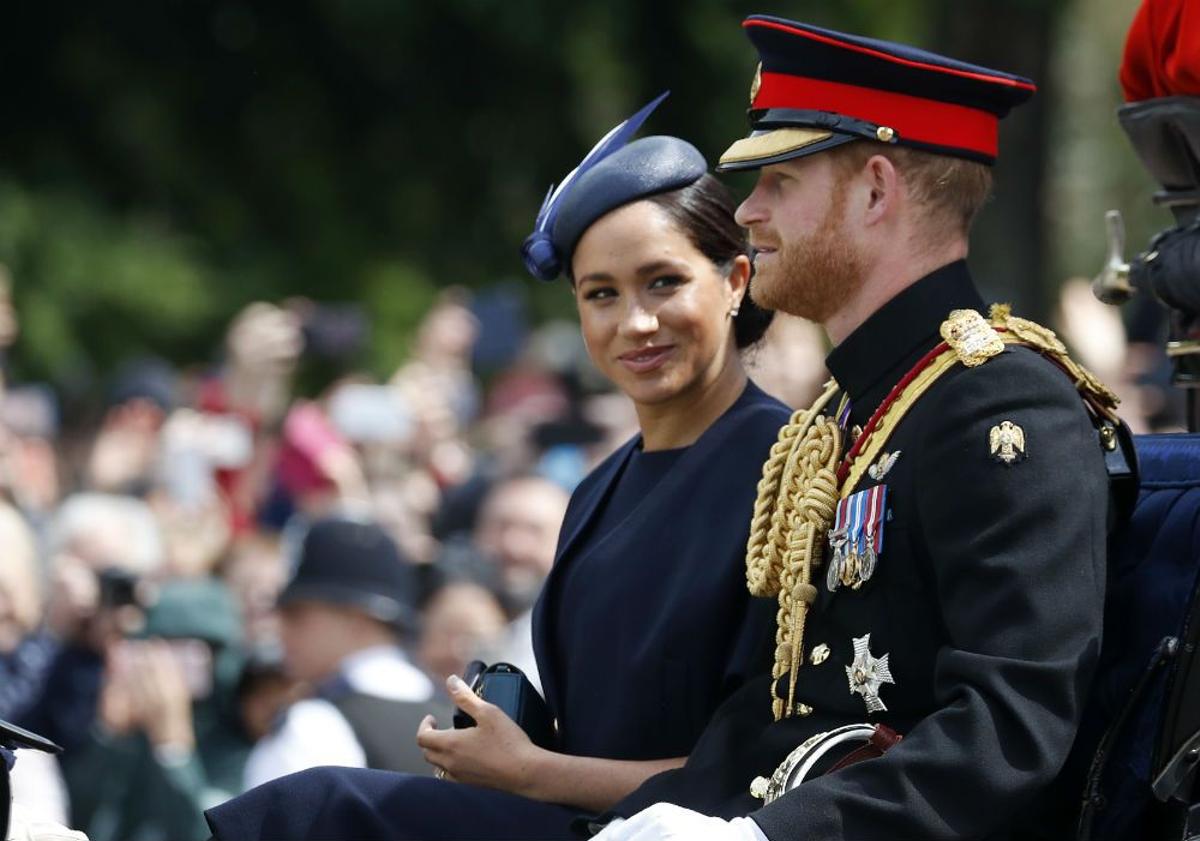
{"x": 819, "y": 654}
{"x": 803, "y": 710}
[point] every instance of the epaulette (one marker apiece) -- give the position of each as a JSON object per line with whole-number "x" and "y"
{"x": 1116, "y": 441}
{"x": 971, "y": 340}
{"x": 1014, "y": 330}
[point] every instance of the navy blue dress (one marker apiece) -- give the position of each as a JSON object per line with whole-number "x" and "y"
{"x": 643, "y": 628}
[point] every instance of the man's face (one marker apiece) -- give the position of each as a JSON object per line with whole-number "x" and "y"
{"x": 805, "y": 260}
{"x": 519, "y": 527}
{"x": 315, "y": 637}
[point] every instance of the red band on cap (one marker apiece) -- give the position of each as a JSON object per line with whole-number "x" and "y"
{"x": 913, "y": 118}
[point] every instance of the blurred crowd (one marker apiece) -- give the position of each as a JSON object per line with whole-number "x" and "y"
{"x": 225, "y": 566}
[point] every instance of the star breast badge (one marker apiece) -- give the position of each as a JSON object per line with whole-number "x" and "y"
{"x": 867, "y": 674}
{"x": 1006, "y": 441}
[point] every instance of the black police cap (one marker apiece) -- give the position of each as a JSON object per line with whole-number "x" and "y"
{"x": 356, "y": 563}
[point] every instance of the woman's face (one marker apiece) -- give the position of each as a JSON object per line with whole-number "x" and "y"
{"x": 654, "y": 310}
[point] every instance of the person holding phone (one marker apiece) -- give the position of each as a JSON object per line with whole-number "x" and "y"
{"x": 644, "y": 625}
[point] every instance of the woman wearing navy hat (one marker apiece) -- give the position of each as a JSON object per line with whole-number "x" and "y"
{"x": 644, "y": 626}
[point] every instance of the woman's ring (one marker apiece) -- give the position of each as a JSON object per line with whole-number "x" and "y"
{"x": 440, "y": 773}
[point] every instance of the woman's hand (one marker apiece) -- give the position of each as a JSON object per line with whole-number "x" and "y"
{"x": 495, "y": 753}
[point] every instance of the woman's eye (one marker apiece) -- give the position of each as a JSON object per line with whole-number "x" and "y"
{"x": 666, "y": 281}
{"x": 599, "y": 293}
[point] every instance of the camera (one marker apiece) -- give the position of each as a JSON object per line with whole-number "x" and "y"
{"x": 118, "y": 588}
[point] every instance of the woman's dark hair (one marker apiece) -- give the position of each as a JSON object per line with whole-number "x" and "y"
{"x": 703, "y": 210}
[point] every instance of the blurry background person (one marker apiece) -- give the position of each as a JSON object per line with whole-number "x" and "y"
{"x": 789, "y": 363}
{"x": 29, "y": 451}
{"x": 166, "y": 743}
{"x": 26, "y": 654}
{"x": 125, "y": 451}
{"x": 345, "y": 614}
{"x": 462, "y": 620}
{"x": 255, "y": 571}
{"x": 518, "y": 527}
{"x": 105, "y": 549}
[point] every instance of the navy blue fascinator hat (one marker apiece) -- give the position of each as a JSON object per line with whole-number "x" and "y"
{"x": 615, "y": 173}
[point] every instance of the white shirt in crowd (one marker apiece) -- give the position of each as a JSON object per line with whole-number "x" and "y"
{"x": 315, "y": 733}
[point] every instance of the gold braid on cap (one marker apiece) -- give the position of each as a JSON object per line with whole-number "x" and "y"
{"x": 792, "y": 514}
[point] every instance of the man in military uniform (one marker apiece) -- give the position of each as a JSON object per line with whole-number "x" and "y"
{"x": 934, "y": 528}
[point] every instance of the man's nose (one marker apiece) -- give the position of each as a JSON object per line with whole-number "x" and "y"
{"x": 751, "y": 211}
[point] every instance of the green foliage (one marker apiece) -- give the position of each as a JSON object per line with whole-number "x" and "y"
{"x": 93, "y": 287}
{"x": 163, "y": 164}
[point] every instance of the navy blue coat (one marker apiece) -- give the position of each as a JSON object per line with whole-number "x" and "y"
{"x": 676, "y": 633}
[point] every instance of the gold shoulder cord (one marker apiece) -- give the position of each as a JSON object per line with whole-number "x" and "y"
{"x": 796, "y": 497}
{"x": 799, "y": 491}
{"x": 1014, "y": 330}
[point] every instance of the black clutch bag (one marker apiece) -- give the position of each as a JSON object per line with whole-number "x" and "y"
{"x": 507, "y": 687}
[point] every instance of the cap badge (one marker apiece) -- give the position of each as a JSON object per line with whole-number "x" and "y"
{"x": 971, "y": 337}
{"x": 1006, "y": 441}
{"x": 756, "y": 83}
{"x": 867, "y": 674}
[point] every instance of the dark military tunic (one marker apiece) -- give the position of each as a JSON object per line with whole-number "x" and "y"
{"x": 986, "y": 598}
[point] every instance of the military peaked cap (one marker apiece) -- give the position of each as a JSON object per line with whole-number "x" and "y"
{"x": 816, "y": 89}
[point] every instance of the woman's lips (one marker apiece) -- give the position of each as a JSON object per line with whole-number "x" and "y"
{"x": 648, "y": 359}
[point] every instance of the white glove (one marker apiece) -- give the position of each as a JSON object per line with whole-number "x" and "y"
{"x": 25, "y": 827}
{"x": 668, "y": 822}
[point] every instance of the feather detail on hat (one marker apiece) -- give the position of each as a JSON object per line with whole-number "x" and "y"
{"x": 541, "y": 257}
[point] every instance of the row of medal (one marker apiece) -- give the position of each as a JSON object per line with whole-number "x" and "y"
{"x": 856, "y": 539}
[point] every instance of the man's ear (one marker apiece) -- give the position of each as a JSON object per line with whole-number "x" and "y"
{"x": 884, "y": 185}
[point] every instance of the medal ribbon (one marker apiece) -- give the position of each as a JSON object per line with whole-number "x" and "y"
{"x": 877, "y": 511}
{"x": 858, "y": 511}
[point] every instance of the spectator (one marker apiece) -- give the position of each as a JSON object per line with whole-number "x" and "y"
{"x": 104, "y": 547}
{"x": 518, "y": 527}
{"x": 166, "y": 744}
{"x": 126, "y": 449}
{"x": 26, "y": 653}
{"x": 345, "y": 614}
{"x": 462, "y": 621}
{"x": 255, "y": 571}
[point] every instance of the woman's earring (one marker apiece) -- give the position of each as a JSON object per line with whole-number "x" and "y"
{"x": 735, "y": 309}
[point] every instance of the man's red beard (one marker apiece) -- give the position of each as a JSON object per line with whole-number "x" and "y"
{"x": 816, "y": 276}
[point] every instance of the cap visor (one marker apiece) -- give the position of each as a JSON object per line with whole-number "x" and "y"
{"x": 769, "y": 147}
